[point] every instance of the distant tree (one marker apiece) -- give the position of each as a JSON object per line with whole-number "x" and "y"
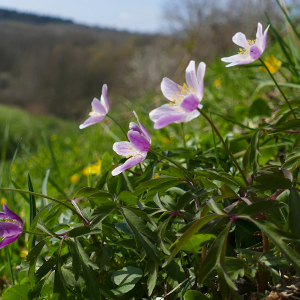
{"x": 213, "y": 23}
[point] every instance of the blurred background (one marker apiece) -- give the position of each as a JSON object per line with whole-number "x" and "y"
{"x": 55, "y": 55}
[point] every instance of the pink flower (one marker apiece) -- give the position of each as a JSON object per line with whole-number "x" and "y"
{"x": 136, "y": 149}
{"x": 11, "y": 228}
{"x": 99, "y": 109}
{"x": 184, "y": 99}
{"x": 251, "y": 50}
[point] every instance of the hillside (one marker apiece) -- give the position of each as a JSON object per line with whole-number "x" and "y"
{"x": 13, "y": 15}
{"x": 53, "y": 66}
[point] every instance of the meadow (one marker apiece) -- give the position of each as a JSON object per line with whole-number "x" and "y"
{"x": 124, "y": 216}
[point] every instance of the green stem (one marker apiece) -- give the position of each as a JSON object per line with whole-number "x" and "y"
{"x": 31, "y": 232}
{"x": 118, "y": 125}
{"x": 42, "y": 196}
{"x": 280, "y": 90}
{"x": 174, "y": 163}
{"x": 9, "y": 265}
{"x": 183, "y": 136}
{"x": 215, "y": 146}
{"x": 224, "y": 144}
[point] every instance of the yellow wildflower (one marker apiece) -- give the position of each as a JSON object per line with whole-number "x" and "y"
{"x": 23, "y": 253}
{"x": 217, "y": 83}
{"x": 92, "y": 169}
{"x": 166, "y": 140}
{"x": 75, "y": 178}
{"x": 3, "y": 200}
{"x": 272, "y": 63}
{"x": 53, "y": 137}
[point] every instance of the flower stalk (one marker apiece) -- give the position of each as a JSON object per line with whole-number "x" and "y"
{"x": 118, "y": 125}
{"x": 224, "y": 144}
{"x": 174, "y": 163}
{"x": 280, "y": 90}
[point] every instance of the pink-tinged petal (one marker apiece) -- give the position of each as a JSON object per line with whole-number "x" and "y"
{"x": 233, "y": 58}
{"x": 259, "y": 34}
{"x": 138, "y": 142}
{"x": 12, "y": 215}
{"x": 98, "y": 107}
{"x": 168, "y": 119}
{"x": 200, "y": 76}
{"x": 91, "y": 121}
{"x": 104, "y": 98}
{"x": 129, "y": 163}
{"x": 264, "y": 39}
{"x": 9, "y": 229}
{"x": 169, "y": 88}
{"x": 244, "y": 62}
{"x": 237, "y": 60}
{"x": 2, "y": 215}
{"x": 194, "y": 114}
{"x": 8, "y": 241}
{"x": 143, "y": 128}
{"x": 240, "y": 40}
{"x": 190, "y": 103}
{"x": 159, "y": 112}
{"x": 123, "y": 148}
{"x": 191, "y": 77}
{"x": 135, "y": 127}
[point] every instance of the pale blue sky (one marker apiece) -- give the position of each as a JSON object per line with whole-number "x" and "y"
{"x": 133, "y": 15}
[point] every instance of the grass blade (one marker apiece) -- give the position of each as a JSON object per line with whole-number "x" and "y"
{"x": 32, "y": 206}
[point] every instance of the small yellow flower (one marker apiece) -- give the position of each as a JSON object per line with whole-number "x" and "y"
{"x": 53, "y": 137}
{"x": 217, "y": 83}
{"x": 21, "y": 214}
{"x": 75, "y": 178}
{"x": 3, "y": 200}
{"x": 166, "y": 140}
{"x": 92, "y": 169}
{"x": 156, "y": 176}
{"x": 186, "y": 137}
{"x": 23, "y": 253}
{"x": 272, "y": 63}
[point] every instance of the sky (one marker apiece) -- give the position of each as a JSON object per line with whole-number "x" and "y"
{"x": 133, "y": 15}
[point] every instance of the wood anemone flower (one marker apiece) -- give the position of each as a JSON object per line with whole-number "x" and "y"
{"x": 136, "y": 149}
{"x": 99, "y": 109}
{"x": 11, "y": 226}
{"x": 184, "y": 100}
{"x": 251, "y": 49}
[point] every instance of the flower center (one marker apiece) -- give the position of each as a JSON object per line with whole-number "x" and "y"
{"x": 185, "y": 91}
{"x": 132, "y": 152}
{"x": 94, "y": 114}
{"x": 247, "y": 50}
{"x": 7, "y": 220}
